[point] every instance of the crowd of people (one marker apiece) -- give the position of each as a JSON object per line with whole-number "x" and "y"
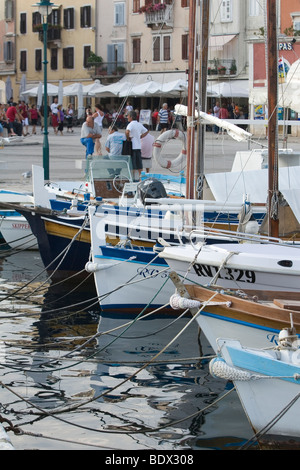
{"x": 227, "y": 111}
{"x": 136, "y": 133}
{"x": 17, "y": 117}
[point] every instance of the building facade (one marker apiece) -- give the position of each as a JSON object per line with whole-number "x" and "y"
{"x": 139, "y": 40}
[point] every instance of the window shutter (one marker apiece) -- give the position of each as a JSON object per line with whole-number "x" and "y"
{"x": 119, "y": 14}
{"x": 156, "y": 49}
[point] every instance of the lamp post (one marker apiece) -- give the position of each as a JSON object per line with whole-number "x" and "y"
{"x": 45, "y": 8}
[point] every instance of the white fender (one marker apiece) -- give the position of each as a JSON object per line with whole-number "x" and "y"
{"x": 163, "y": 138}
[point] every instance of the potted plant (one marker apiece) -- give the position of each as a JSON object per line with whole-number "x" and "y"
{"x": 221, "y": 70}
{"x": 94, "y": 59}
{"x": 233, "y": 67}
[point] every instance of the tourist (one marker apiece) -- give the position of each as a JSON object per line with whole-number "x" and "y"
{"x": 90, "y": 131}
{"x": 98, "y": 118}
{"x": 154, "y": 118}
{"x": 163, "y": 118}
{"x": 135, "y": 131}
{"x": 34, "y": 116}
{"x": 3, "y": 118}
{"x": 69, "y": 117}
{"x": 15, "y": 120}
{"x": 54, "y": 112}
{"x": 60, "y": 119}
{"x": 146, "y": 150}
{"x": 23, "y": 110}
{"x": 114, "y": 141}
{"x": 216, "y": 114}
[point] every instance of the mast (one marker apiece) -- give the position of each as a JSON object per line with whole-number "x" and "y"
{"x": 190, "y": 171}
{"x": 202, "y": 87}
{"x": 272, "y": 68}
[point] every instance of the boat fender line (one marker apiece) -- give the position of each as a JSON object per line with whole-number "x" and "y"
{"x": 219, "y": 369}
{"x": 163, "y": 138}
{"x": 91, "y": 267}
{"x": 181, "y": 303}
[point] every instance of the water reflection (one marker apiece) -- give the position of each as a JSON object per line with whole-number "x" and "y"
{"x": 61, "y": 352}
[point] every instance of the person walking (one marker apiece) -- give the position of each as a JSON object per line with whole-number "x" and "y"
{"x": 98, "y": 118}
{"x": 216, "y": 114}
{"x": 15, "y": 120}
{"x": 60, "y": 119}
{"x": 135, "y": 131}
{"x": 90, "y": 131}
{"x": 34, "y": 116}
{"x": 23, "y": 110}
{"x": 54, "y": 111}
{"x": 147, "y": 149}
{"x": 163, "y": 118}
{"x": 69, "y": 117}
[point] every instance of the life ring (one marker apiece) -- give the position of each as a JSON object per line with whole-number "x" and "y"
{"x": 163, "y": 138}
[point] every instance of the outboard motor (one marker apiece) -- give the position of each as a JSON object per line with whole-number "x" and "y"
{"x": 151, "y": 188}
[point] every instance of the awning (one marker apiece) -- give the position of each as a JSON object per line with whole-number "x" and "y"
{"x": 159, "y": 77}
{"x": 230, "y": 89}
{"x": 218, "y": 42}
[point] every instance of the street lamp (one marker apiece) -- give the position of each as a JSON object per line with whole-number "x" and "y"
{"x": 45, "y": 8}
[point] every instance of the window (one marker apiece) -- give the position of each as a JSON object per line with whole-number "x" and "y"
{"x": 9, "y": 10}
{"x": 185, "y": 47}
{"x": 166, "y": 48}
{"x": 136, "y": 6}
{"x": 8, "y": 51}
{"x": 23, "y": 61}
{"x": 226, "y": 11}
{"x": 86, "y": 54}
{"x": 162, "y": 48}
{"x": 36, "y": 20}
{"x": 156, "y": 49}
{"x": 54, "y": 18}
{"x": 86, "y": 17}
{"x": 254, "y": 8}
{"x": 136, "y": 50}
{"x": 115, "y": 56}
{"x": 23, "y": 23}
{"x": 69, "y": 16}
{"x": 38, "y": 59}
{"x": 54, "y": 59}
{"x": 119, "y": 14}
{"x": 68, "y": 58}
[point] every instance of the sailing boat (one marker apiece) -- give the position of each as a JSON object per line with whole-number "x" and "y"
{"x": 126, "y": 262}
{"x": 227, "y": 264}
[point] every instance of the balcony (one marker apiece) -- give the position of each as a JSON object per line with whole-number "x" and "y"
{"x": 160, "y": 17}
{"x": 53, "y": 33}
{"x": 109, "y": 71}
{"x": 222, "y": 67}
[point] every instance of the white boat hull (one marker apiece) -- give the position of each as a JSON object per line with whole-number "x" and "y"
{"x": 17, "y": 233}
{"x": 130, "y": 285}
{"x": 247, "y": 266}
{"x": 265, "y": 384}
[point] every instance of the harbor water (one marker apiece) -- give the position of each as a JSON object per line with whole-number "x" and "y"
{"x": 74, "y": 379}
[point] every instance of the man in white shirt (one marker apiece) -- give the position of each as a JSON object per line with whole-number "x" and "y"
{"x": 90, "y": 131}
{"x": 135, "y": 131}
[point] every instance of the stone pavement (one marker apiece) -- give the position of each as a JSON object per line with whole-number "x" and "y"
{"x": 66, "y": 153}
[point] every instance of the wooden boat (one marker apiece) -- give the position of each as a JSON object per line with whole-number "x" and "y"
{"x": 233, "y": 314}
